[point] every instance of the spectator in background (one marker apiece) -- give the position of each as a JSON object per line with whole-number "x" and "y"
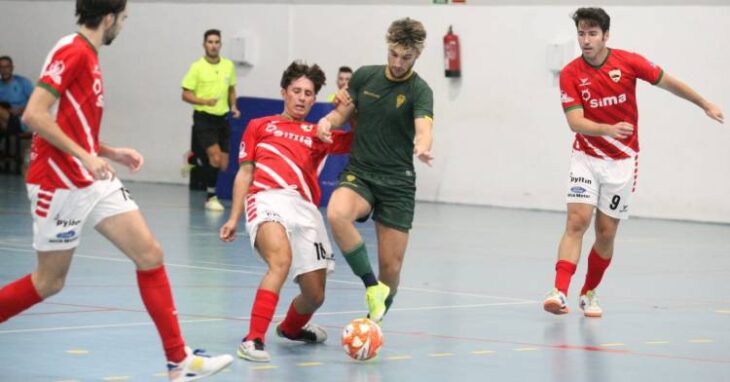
{"x": 14, "y": 89}
{"x": 344, "y": 74}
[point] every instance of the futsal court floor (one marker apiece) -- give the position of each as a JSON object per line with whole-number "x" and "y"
{"x": 469, "y": 307}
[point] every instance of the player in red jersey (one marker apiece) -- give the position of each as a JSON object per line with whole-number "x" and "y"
{"x": 598, "y": 93}
{"x": 276, "y": 185}
{"x": 70, "y": 185}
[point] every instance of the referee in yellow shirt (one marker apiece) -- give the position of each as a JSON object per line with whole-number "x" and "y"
{"x": 210, "y": 86}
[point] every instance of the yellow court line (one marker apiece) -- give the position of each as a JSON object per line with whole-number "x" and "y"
{"x": 263, "y": 367}
{"x": 441, "y": 354}
{"x": 656, "y": 342}
{"x": 159, "y": 375}
{"x": 478, "y": 352}
{"x": 68, "y": 380}
{"x": 612, "y": 344}
{"x": 77, "y": 351}
{"x": 701, "y": 341}
{"x": 526, "y": 349}
{"x": 309, "y": 364}
{"x": 116, "y": 378}
{"x": 398, "y": 357}
{"x": 723, "y": 311}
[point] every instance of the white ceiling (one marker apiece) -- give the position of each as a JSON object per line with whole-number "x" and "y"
{"x": 427, "y": 2}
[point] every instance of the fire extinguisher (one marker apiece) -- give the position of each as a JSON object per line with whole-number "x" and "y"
{"x": 452, "y": 56}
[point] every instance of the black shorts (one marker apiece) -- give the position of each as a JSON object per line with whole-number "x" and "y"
{"x": 208, "y": 130}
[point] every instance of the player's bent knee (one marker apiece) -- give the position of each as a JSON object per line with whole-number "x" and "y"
{"x": 49, "y": 287}
{"x": 315, "y": 299}
{"x": 280, "y": 265}
{"x": 151, "y": 256}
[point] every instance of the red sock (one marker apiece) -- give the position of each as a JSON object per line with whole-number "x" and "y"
{"x": 157, "y": 297}
{"x": 294, "y": 321}
{"x": 596, "y": 267}
{"x": 564, "y": 270}
{"x": 17, "y": 296}
{"x": 261, "y": 314}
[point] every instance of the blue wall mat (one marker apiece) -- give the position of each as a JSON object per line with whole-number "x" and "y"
{"x": 252, "y": 108}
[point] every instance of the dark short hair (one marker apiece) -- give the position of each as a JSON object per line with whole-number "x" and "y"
{"x": 209, "y": 32}
{"x": 344, "y": 69}
{"x": 299, "y": 69}
{"x": 593, "y": 17}
{"x": 91, "y": 12}
{"x": 6, "y": 58}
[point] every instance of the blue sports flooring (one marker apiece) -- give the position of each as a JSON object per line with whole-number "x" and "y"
{"x": 469, "y": 308}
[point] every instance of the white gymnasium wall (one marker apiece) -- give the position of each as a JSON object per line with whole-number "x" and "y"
{"x": 500, "y": 136}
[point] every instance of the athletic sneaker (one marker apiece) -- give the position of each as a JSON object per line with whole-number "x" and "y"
{"x": 375, "y": 298}
{"x": 588, "y": 303}
{"x": 253, "y": 350}
{"x": 213, "y": 204}
{"x": 197, "y": 365}
{"x": 310, "y": 333}
{"x": 555, "y": 302}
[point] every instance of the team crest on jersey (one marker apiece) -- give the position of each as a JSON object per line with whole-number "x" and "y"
{"x": 306, "y": 127}
{"x": 615, "y": 75}
{"x": 54, "y": 70}
{"x": 585, "y": 94}
{"x": 350, "y": 178}
{"x": 400, "y": 100}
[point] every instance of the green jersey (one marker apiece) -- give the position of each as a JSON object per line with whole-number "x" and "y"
{"x": 386, "y": 113}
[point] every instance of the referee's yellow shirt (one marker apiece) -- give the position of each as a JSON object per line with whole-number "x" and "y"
{"x": 208, "y": 80}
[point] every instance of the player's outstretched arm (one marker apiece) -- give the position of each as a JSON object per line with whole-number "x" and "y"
{"x": 241, "y": 184}
{"x": 334, "y": 120}
{"x": 38, "y": 117}
{"x": 680, "y": 89}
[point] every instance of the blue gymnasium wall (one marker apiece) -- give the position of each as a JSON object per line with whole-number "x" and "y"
{"x": 252, "y": 108}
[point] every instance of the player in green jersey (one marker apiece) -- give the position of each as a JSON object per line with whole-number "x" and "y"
{"x": 394, "y": 115}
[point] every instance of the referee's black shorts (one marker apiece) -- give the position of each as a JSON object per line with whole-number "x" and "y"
{"x": 208, "y": 130}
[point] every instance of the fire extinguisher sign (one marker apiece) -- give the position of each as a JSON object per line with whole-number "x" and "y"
{"x": 452, "y": 55}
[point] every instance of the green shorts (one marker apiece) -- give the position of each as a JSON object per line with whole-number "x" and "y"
{"x": 392, "y": 198}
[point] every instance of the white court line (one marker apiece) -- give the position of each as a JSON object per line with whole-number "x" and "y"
{"x": 278, "y": 316}
{"x": 331, "y": 280}
{"x": 84, "y": 327}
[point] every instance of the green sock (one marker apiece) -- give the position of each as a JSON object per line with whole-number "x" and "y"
{"x": 358, "y": 261}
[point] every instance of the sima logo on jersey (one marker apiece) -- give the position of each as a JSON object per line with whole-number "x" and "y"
{"x": 607, "y": 101}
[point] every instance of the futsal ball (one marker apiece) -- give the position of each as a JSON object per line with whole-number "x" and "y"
{"x": 362, "y": 339}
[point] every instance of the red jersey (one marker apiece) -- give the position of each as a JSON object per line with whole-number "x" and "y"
{"x": 72, "y": 74}
{"x": 288, "y": 155}
{"x": 607, "y": 94}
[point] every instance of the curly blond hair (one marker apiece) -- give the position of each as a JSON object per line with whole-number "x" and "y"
{"x": 408, "y": 33}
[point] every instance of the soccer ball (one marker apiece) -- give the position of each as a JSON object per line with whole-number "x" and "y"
{"x": 362, "y": 339}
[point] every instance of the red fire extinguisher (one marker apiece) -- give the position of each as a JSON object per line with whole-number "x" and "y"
{"x": 452, "y": 56}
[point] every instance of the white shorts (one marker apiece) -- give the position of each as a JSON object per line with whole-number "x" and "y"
{"x": 60, "y": 215}
{"x": 310, "y": 245}
{"x": 606, "y": 184}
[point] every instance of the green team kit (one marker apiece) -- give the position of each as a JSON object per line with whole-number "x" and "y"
{"x": 381, "y": 161}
